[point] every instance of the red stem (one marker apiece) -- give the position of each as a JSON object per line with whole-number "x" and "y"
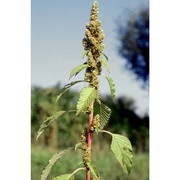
{"x": 89, "y": 137}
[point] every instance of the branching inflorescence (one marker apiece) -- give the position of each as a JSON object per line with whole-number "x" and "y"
{"x": 89, "y": 96}
{"x": 94, "y": 47}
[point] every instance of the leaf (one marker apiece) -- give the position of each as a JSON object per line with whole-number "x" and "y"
{"x": 68, "y": 176}
{"x": 84, "y": 53}
{"x": 64, "y": 177}
{"x": 106, "y": 56}
{"x": 105, "y": 64}
{"x": 48, "y": 121}
{"x": 80, "y": 163}
{"x": 122, "y": 149}
{"x": 94, "y": 171}
{"x": 52, "y": 161}
{"x": 77, "y": 146}
{"x": 87, "y": 95}
{"x": 66, "y": 87}
{"x": 77, "y": 69}
{"x": 105, "y": 113}
{"x": 96, "y": 109}
{"x": 111, "y": 85}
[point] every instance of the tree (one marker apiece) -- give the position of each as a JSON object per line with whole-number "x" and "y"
{"x": 134, "y": 46}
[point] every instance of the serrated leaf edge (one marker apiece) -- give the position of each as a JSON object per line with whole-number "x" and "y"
{"x": 111, "y": 85}
{"x": 77, "y": 70}
{"x": 126, "y": 167}
{"x": 105, "y": 113}
{"x": 84, "y": 103}
{"x": 106, "y": 65}
{"x": 49, "y": 120}
{"x": 93, "y": 171}
{"x": 52, "y": 161}
{"x": 66, "y": 87}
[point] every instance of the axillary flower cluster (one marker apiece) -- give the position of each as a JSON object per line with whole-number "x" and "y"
{"x": 94, "y": 47}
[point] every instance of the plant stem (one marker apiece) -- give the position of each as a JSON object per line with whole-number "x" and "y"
{"x": 89, "y": 138}
{"x": 78, "y": 170}
{"x": 101, "y": 130}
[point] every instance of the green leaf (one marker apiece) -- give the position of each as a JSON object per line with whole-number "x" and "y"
{"x": 104, "y": 62}
{"x": 84, "y": 53}
{"x": 64, "y": 177}
{"x": 77, "y": 146}
{"x": 80, "y": 163}
{"x": 105, "y": 56}
{"x": 87, "y": 95}
{"x": 105, "y": 113}
{"x": 52, "y": 161}
{"x": 96, "y": 109}
{"x": 66, "y": 87}
{"x": 94, "y": 171}
{"x": 77, "y": 69}
{"x": 111, "y": 85}
{"x": 48, "y": 121}
{"x": 68, "y": 176}
{"x": 122, "y": 149}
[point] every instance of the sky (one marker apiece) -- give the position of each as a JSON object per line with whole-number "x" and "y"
{"x": 57, "y": 30}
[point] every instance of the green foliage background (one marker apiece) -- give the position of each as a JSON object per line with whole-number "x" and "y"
{"x": 66, "y": 132}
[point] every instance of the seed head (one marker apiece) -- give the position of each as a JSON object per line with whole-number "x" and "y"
{"x": 93, "y": 44}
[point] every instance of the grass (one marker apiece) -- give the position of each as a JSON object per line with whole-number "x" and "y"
{"x": 105, "y": 162}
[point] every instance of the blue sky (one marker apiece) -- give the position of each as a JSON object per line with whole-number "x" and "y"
{"x": 57, "y": 30}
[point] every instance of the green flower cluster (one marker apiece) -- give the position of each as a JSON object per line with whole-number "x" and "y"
{"x": 87, "y": 153}
{"x": 94, "y": 47}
